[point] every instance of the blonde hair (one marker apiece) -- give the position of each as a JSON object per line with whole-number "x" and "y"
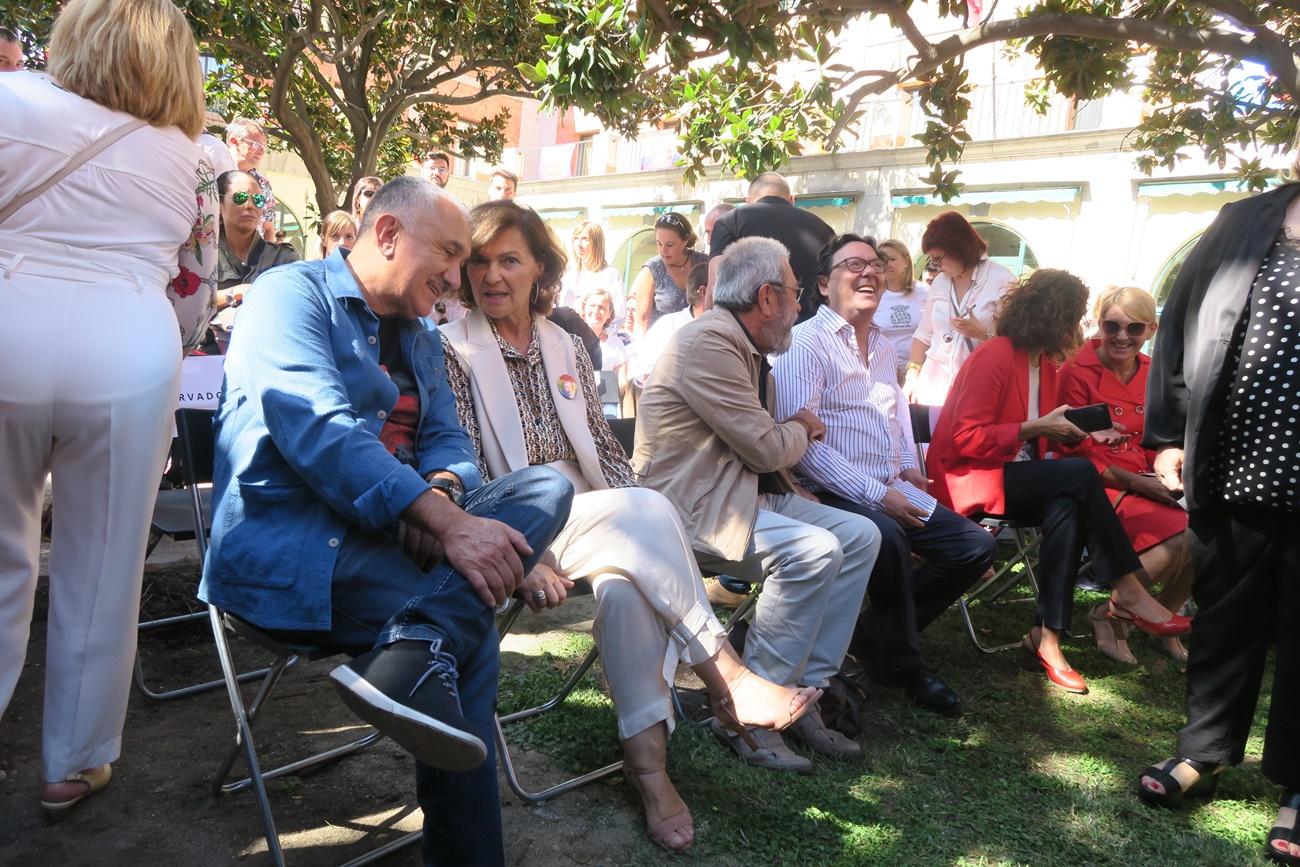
{"x": 333, "y": 225}
{"x": 595, "y": 260}
{"x": 135, "y": 56}
{"x": 909, "y": 282}
{"x": 1137, "y": 304}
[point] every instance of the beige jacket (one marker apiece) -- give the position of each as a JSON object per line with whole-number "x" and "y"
{"x": 703, "y": 438}
{"x": 497, "y": 411}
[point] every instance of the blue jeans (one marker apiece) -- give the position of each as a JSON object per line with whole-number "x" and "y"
{"x": 379, "y": 596}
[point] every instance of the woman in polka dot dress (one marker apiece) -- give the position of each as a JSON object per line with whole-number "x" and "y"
{"x": 1112, "y": 369}
{"x": 1223, "y": 411}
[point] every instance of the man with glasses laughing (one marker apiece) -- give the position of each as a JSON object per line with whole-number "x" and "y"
{"x": 842, "y": 368}
{"x": 247, "y": 142}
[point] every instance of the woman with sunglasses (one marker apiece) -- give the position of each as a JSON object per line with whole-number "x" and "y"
{"x": 1112, "y": 369}
{"x": 242, "y": 253}
{"x": 660, "y": 287}
{"x": 362, "y": 192}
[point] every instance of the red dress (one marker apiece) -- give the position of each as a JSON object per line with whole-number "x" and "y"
{"x": 1084, "y": 381}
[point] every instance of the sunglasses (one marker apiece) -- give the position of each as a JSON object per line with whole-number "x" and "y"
{"x": 241, "y": 198}
{"x": 1132, "y": 329}
{"x": 856, "y": 264}
{"x": 671, "y": 221}
{"x": 368, "y": 193}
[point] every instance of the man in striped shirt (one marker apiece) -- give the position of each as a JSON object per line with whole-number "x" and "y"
{"x": 842, "y": 369}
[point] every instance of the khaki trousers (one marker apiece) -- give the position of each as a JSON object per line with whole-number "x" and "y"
{"x": 630, "y": 543}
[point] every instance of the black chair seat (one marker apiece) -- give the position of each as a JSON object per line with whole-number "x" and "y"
{"x": 173, "y": 515}
{"x": 281, "y": 647}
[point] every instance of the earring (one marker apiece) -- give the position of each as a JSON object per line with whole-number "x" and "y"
{"x": 535, "y": 294}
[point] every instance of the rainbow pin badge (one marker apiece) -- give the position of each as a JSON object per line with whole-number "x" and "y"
{"x": 568, "y": 386}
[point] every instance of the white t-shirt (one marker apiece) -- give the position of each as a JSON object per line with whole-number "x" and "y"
{"x": 577, "y": 285}
{"x": 948, "y": 348}
{"x": 899, "y": 315}
{"x": 655, "y": 341}
{"x": 217, "y": 153}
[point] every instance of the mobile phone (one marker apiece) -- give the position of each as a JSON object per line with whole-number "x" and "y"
{"x": 1090, "y": 419}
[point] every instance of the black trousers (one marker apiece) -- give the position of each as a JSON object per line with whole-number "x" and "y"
{"x": 905, "y": 599}
{"x": 1247, "y": 592}
{"x": 1065, "y": 498}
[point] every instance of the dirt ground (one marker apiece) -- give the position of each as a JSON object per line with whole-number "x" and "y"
{"x": 160, "y": 807}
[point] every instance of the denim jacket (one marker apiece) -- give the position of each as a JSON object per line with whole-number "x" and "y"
{"x": 298, "y": 457}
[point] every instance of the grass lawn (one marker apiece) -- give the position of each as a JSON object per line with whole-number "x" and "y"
{"x": 1030, "y": 775}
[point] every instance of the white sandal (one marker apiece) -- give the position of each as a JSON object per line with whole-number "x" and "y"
{"x": 95, "y": 779}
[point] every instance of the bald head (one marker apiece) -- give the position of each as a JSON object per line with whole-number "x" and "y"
{"x": 769, "y": 184}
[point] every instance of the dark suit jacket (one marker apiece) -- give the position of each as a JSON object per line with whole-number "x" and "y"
{"x": 803, "y": 233}
{"x": 1185, "y": 390}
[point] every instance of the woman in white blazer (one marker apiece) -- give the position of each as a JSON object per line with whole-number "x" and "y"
{"x": 97, "y": 313}
{"x": 526, "y": 394}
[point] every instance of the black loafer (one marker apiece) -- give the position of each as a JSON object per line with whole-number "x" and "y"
{"x": 929, "y": 692}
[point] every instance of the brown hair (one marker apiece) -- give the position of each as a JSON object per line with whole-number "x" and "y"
{"x": 134, "y": 56}
{"x": 596, "y": 236}
{"x": 490, "y": 219}
{"x": 1043, "y": 313}
{"x": 368, "y": 182}
{"x": 955, "y": 236}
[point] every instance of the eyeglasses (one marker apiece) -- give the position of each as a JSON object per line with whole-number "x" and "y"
{"x": 856, "y": 265}
{"x": 241, "y": 198}
{"x": 253, "y": 145}
{"x": 795, "y": 288}
{"x": 1132, "y": 329}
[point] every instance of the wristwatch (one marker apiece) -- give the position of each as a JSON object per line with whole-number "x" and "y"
{"x": 451, "y": 487}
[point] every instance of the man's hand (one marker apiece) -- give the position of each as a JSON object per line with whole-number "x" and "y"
{"x": 916, "y": 478}
{"x": 548, "y": 577}
{"x": 421, "y": 547}
{"x": 805, "y": 493}
{"x": 486, "y": 552}
{"x": 896, "y": 506}
{"x": 811, "y": 423}
{"x": 1169, "y": 467}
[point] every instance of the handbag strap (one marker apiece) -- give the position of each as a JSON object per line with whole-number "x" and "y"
{"x": 74, "y": 162}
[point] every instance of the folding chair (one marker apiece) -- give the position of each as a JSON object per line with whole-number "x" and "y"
{"x": 173, "y": 517}
{"x": 515, "y": 607}
{"x": 194, "y": 429}
{"x": 607, "y": 387}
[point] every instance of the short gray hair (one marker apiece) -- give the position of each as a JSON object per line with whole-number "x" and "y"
{"x": 403, "y": 197}
{"x": 243, "y": 126}
{"x": 743, "y": 267}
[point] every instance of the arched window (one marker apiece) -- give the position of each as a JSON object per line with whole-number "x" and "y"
{"x": 633, "y": 253}
{"x": 1169, "y": 272}
{"x": 1007, "y": 247}
{"x": 287, "y": 221}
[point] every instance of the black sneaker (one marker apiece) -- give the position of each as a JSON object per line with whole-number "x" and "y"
{"x": 407, "y": 690}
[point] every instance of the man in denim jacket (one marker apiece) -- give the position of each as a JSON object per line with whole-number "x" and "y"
{"x": 348, "y": 509}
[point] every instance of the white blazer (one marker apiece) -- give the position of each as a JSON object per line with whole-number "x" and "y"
{"x": 497, "y": 410}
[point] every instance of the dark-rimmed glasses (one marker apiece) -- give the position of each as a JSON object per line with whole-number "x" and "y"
{"x": 1132, "y": 329}
{"x": 856, "y": 265}
{"x": 241, "y": 198}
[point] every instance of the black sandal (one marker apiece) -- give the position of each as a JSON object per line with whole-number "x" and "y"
{"x": 1283, "y": 833}
{"x": 1174, "y": 795}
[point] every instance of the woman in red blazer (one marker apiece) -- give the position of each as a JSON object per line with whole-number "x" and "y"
{"x": 988, "y": 458}
{"x": 1111, "y": 369}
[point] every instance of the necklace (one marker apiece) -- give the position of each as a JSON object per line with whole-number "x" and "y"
{"x": 958, "y": 311}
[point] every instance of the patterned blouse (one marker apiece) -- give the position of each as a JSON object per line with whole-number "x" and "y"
{"x": 544, "y": 436}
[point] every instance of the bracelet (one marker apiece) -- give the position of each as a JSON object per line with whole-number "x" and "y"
{"x": 914, "y": 365}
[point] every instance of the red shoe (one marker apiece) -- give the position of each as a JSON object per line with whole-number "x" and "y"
{"x": 1175, "y": 626}
{"x": 1066, "y": 678}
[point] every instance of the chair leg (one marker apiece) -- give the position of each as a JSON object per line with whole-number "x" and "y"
{"x": 181, "y": 692}
{"x": 999, "y": 584}
{"x": 386, "y": 849}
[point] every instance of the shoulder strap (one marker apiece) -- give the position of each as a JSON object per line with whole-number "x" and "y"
{"x": 74, "y": 162}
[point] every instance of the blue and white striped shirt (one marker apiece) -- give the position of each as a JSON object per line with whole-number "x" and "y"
{"x": 868, "y": 428}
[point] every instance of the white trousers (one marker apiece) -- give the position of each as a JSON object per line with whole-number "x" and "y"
{"x": 813, "y": 562}
{"x": 631, "y": 544}
{"x": 88, "y": 379}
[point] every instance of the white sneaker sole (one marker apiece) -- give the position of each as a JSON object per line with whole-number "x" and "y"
{"x": 431, "y": 741}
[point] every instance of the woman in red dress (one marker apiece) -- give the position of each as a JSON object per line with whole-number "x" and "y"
{"x": 1112, "y": 370}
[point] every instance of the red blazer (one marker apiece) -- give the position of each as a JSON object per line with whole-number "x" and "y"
{"x": 1085, "y": 381}
{"x": 979, "y": 429}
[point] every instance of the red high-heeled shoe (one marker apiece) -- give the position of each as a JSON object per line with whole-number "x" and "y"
{"x": 1066, "y": 678}
{"x": 1175, "y": 626}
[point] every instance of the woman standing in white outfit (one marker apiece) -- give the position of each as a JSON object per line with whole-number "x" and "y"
{"x": 97, "y": 312}
{"x": 961, "y": 312}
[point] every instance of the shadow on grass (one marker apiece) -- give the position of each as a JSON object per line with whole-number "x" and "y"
{"x": 1031, "y": 775}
